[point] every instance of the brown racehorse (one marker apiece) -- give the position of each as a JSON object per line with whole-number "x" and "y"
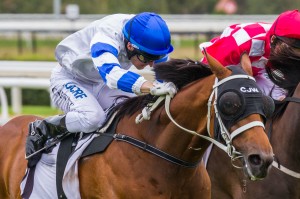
{"x": 228, "y": 182}
{"x": 125, "y": 171}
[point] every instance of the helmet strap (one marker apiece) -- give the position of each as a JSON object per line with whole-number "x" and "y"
{"x": 129, "y": 52}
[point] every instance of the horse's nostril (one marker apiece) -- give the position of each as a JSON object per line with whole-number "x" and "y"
{"x": 255, "y": 159}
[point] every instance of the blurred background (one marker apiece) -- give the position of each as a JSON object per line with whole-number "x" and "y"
{"x": 159, "y": 6}
{"x": 30, "y": 31}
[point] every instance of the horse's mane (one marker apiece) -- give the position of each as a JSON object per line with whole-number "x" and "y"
{"x": 179, "y": 71}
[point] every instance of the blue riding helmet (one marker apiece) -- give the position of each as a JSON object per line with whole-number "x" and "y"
{"x": 148, "y": 33}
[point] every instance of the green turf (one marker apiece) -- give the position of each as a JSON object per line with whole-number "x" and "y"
{"x": 43, "y": 111}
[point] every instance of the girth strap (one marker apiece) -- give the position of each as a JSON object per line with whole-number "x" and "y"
{"x": 64, "y": 151}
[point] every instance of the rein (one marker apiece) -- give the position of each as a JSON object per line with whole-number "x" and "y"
{"x": 228, "y": 148}
{"x": 277, "y": 165}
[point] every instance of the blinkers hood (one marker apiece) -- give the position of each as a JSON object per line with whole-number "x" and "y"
{"x": 245, "y": 96}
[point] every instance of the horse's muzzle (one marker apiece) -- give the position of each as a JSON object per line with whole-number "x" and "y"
{"x": 256, "y": 166}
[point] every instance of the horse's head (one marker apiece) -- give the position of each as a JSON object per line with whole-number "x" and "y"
{"x": 240, "y": 111}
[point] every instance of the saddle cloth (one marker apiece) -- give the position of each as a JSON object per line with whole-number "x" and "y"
{"x": 42, "y": 178}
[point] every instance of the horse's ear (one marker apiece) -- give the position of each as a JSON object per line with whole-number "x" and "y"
{"x": 217, "y": 68}
{"x": 246, "y": 64}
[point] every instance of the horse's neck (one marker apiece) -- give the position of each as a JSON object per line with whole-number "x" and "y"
{"x": 285, "y": 135}
{"x": 189, "y": 110}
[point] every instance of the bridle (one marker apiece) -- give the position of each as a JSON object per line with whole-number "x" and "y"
{"x": 228, "y": 138}
{"x": 228, "y": 148}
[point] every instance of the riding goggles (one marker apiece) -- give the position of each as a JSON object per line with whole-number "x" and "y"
{"x": 145, "y": 57}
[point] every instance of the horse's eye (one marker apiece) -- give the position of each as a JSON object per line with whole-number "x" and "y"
{"x": 230, "y": 103}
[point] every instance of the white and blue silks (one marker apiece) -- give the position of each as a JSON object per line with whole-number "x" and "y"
{"x": 94, "y": 60}
{"x": 103, "y": 42}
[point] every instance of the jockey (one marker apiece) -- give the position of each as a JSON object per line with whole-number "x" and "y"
{"x": 265, "y": 44}
{"x": 93, "y": 71}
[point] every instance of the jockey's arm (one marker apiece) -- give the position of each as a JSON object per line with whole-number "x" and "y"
{"x": 246, "y": 63}
{"x": 104, "y": 52}
{"x": 104, "y": 55}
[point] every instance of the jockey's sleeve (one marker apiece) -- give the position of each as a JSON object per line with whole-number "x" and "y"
{"x": 104, "y": 52}
{"x": 228, "y": 47}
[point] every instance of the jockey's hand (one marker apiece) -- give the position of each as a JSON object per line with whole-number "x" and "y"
{"x": 166, "y": 88}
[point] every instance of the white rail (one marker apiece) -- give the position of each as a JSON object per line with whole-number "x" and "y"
{"x": 28, "y": 74}
{"x": 182, "y": 24}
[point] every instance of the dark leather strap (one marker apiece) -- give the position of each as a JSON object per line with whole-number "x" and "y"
{"x": 100, "y": 143}
{"x": 292, "y": 99}
{"x": 64, "y": 151}
{"x": 29, "y": 183}
{"x": 146, "y": 147}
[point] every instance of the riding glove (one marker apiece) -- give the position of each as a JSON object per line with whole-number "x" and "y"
{"x": 166, "y": 88}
